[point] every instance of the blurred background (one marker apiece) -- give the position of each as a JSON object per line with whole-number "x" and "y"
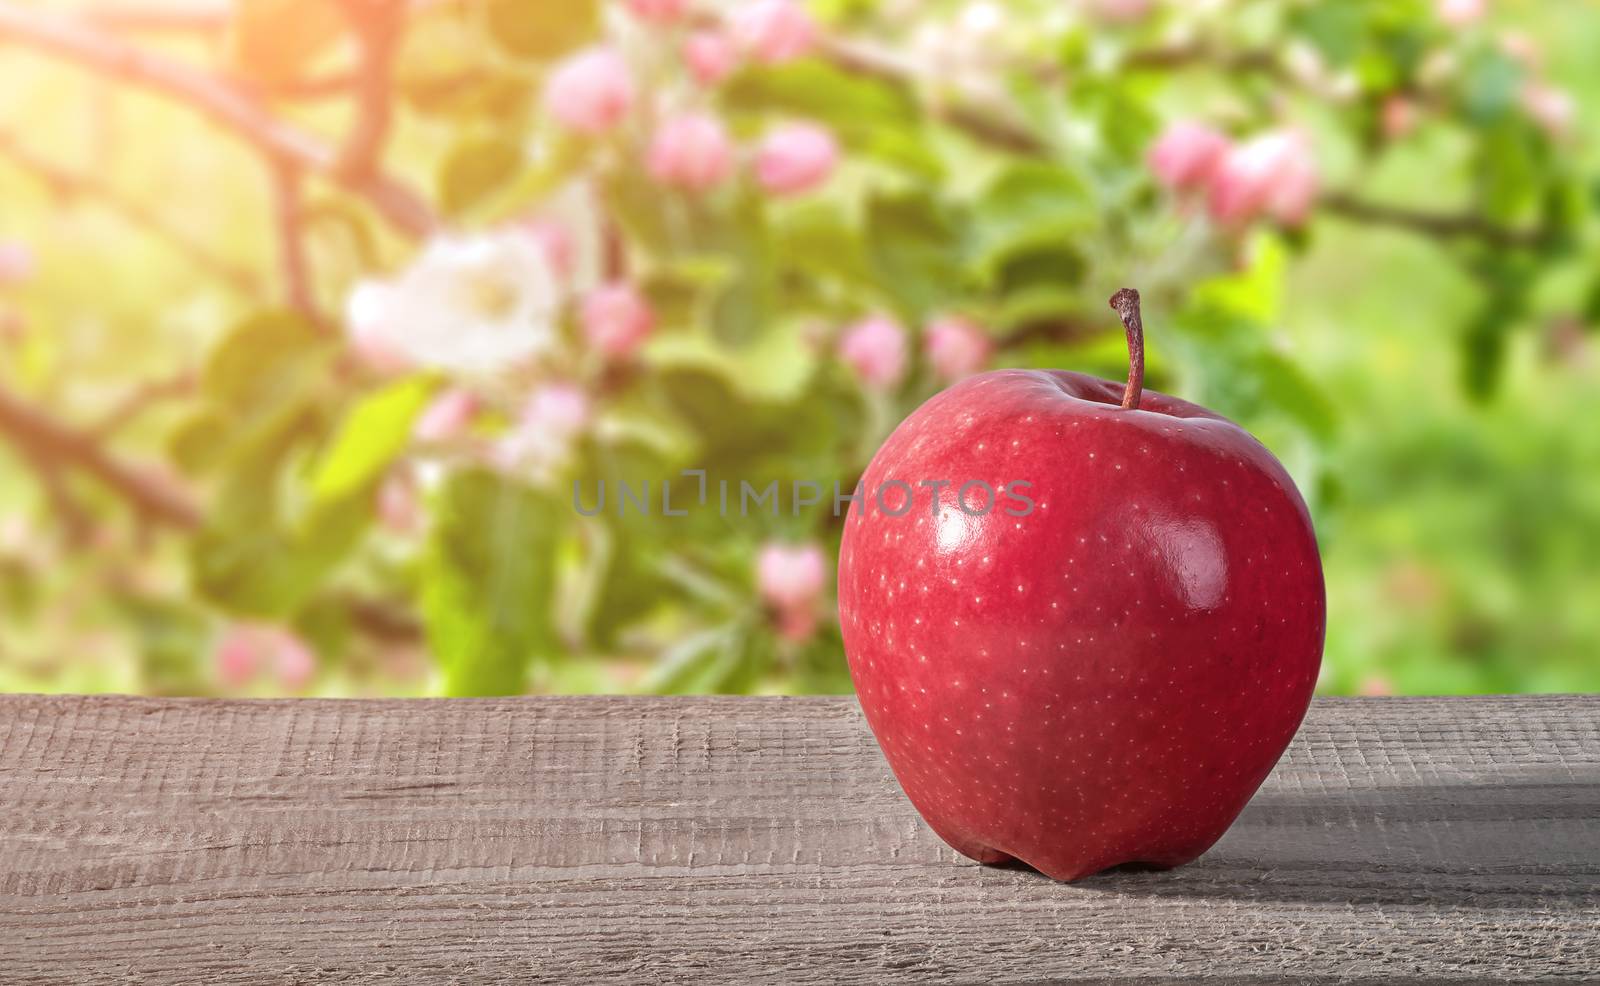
{"x": 312, "y": 311}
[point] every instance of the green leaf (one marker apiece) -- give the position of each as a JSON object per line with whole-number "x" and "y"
{"x": 725, "y": 659}
{"x": 815, "y": 235}
{"x": 539, "y": 30}
{"x": 681, "y": 291}
{"x": 774, "y": 367}
{"x": 1491, "y": 83}
{"x": 744, "y": 310}
{"x": 373, "y": 434}
{"x": 265, "y": 360}
{"x": 687, "y": 660}
{"x": 196, "y": 440}
{"x": 1034, "y": 304}
{"x": 1285, "y": 386}
{"x": 1336, "y": 29}
{"x": 168, "y": 634}
{"x": 475, "y": 169}
{"x": 1051, "y": 265}
{"x": 246, "y": 563}
{"x": 1254, "y": 293}
{"x": 535, "y": 181}
{"x": 1029, "y": 207}
{"x": 915, "y": 247}
{"x": 871, "y": 116}
{"x": 646, "y": 216}
{"x": 1127, "y": 122}
{"x": 340, "y": 226}
{"x": 488, "y": 581}
{"x": 1509, "y": 169}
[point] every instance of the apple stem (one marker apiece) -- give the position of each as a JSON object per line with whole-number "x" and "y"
{"x": 1126, "y": 304}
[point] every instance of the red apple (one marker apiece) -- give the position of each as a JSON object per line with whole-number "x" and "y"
{"x": 1108, "y": 676}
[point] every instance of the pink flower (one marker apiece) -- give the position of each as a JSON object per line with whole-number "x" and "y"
{"x": 791, "y": 579}
{"x": 249, "y": 650}
{"x": 691, "y": 152}
{"x": 1272, "y": 174}
{"x": 1122, "y": 11}
{"x": 711, "y": 56}
{"x": 1551, "y": 107}
{"x": 956, "y": 347}
{"x": 1460, "y": 13}
{"x": 796, "y": 158}
{"x": 659, "y": 11}
{"x": 446, "y": 416}
{"x": 773, "y": 31}
{"x": 791, "y": 575}
{"x": 398, "y": 508}
{"x": 16, "y": 262}
{"x": 555, "y": 239}
{"x": 559, "y": 408}
{"x": 293, "y": 663}
{"x": 876, "y": 349}
{"x": 1186, "y": 155}
{"x": 1398, "y": 117}
{"x": 236, "y": 658}
{"x": 797, "y": 624}
{"x": 616, "y": 319}
{"x": 590, "y": 92}
{"x": 1375, "y": 684}
{"x": 542, "y": 439}
{"x": 1521, "y": 49}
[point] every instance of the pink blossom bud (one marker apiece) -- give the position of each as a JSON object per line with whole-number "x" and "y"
{"x": 659, "y": 11}
{"x": 616, "y": 319}
{"x": 1551, "y": 107}
{"x": 559, "y": 408}
{"x": 1460, "y": 13}
{"x": 796, "y": 158}
{"x": 956, "y": 347}
{"x": 1186, "y": 155}
{"x": 1398, "y": 117}
{"x": 773, "y": 31}
{"x": 545, "y": 432}
{"x": 590, "y": 92}
{"x": 1521, "y": 49}
{"x": 1273, "y": 174}
{"x": 791, "y": 576}
{"x": 876, "y": 349}
{"x": 556, "y": 242}
{"x": 398, "y": 508}
{"x": 16, "y": 263}
{"x": 1375, "y": 684}
{"x": 236, "y": 658}
{"x": 1121, "y": 11}
{"x": 248, "y": 650}
{"x": 711, "y": 56}
{"x": 691, "y": 152}
{"x": 446, "y": 416}
{"x": 797, "y": 624}
{"x": 294, "y": 663}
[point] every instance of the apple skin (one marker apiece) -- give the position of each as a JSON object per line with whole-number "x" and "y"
{"x": 1108, "y": 679}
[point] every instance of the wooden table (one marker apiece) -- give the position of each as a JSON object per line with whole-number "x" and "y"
{"x": 729, "y": 840}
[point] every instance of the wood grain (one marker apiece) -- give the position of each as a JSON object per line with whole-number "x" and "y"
{"x": 726, "y": 840}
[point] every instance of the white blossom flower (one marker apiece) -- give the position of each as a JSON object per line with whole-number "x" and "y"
{"x": 469, "y": 304}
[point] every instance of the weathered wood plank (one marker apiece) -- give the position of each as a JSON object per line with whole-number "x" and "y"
{"x": 746, "y": 840}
